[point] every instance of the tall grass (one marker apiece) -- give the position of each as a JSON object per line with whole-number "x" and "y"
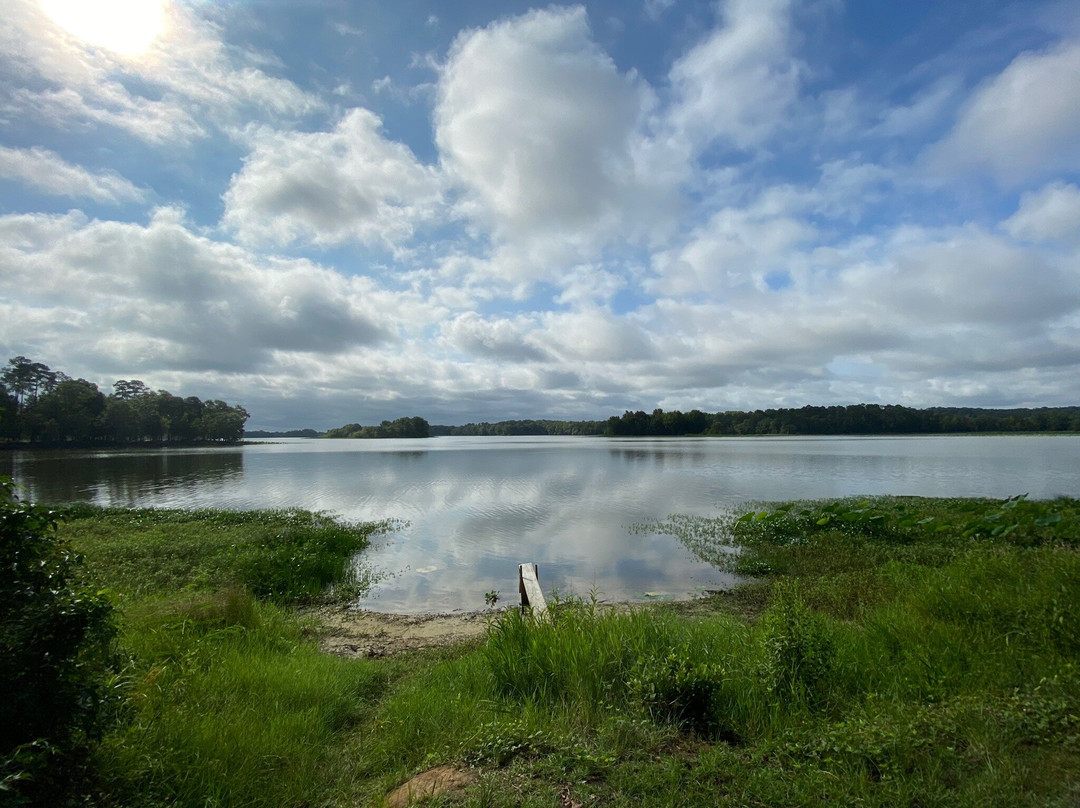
{"x": 228, "y": 705}
{"x": 283, "y": 556}
{"x": 909, "y": 664}
{"x": 226, "y": 701}
{"x": 927, "y": 657}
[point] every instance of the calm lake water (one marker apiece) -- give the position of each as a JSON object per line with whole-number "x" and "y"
{"x": 476, "y": 507}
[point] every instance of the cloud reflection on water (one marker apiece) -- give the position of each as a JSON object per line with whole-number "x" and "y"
{"x": 478, "y": 507}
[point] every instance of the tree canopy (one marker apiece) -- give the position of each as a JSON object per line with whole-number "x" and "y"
{"x": 42, "y": 406}
{"x": 414, "y": 427}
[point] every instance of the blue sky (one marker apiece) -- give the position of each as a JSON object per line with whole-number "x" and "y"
{"x": 335, "y": 212}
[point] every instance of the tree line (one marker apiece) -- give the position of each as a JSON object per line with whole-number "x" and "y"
{"x": 855, "y": 419}
{"x": 523, "y": 427}
{"x": 414, "y": 427}
{"x": 42, "y": 406}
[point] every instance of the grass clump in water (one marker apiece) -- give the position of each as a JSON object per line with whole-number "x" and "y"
{"x": 283, "y": 556}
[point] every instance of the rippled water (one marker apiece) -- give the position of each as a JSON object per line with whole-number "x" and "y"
{"x": 476, "y": 507}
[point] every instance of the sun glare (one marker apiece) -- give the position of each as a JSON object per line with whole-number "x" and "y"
{"x": 126, "y": 27}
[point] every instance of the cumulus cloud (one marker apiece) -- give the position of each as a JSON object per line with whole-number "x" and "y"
{"x": 736, "y": 248}
{"x": 913, "y": 312}
{"x": 594, "y": 334}
{"x": 348, "y": 184}
{"x": 1052, "y": 213}
{"x": 545, "y": 133}
{"x": 498, "y": 339}
{"x": 46, "y": 171}
{"x": 579, "y": 244}
{"x": 160, "y": 296}
{"x": 737, "y": 85}
{"x": 1023, "y": 123}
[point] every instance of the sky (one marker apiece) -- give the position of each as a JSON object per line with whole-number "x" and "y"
{"x": 336, "y": 212}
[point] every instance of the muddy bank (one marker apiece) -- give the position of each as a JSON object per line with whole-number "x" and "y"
{"x": 358, "y": 633}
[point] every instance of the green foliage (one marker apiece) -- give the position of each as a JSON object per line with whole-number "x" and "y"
{"x": 855, "y": 419}
{"x": 228, "y": 701}
{"x": 893, "y": 661}
{"x": 799, "y": 653}
{"x": 414, "y": 427}
{"x": 578, "y": 653}
{"x": 683, "y": 689}
{"x": 284, "y": 556}
{"x": 229, "y": 705}
{"x": 48, "y": 407}
{"x": 56, "y": 652}
{"x": 528, "y": 426}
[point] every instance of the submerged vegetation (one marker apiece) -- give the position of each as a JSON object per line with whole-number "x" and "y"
{"x": 884, "y": 652}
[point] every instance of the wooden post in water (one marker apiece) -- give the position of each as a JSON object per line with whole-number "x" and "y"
{"x": 532, "y": 596}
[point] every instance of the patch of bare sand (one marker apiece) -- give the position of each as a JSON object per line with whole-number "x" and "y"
{"x": 359, "y": 633}
{"x": 431, "y": 783}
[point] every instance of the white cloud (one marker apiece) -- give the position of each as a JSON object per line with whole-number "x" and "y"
{"x": 594, "y": 334}
{"x": 735, "y": 249}
{"x": 48, "y": 172}
{"x": 738, "y": 85}
{"x": 189, "y": 78}
{"x": 505, "y": 339}
{"x": 921, "y": 309}
{"x": 349, "y": 184}
{"x": 110, "y": 104}
{"x": 925, "y": 109}
{"x": 159, "y": 297}
{"x": 654, "y": 9}
{"x": 545, "y": 133}
{"x": 1050, "y": 214}
{"x": 1021, "y": 124}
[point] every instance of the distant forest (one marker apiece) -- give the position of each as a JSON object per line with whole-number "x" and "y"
{"x": 855, "y": 419}
{"x": 41, "y": 406}
{"x": 291, "y": 433}
{"x": 401, "y": 428}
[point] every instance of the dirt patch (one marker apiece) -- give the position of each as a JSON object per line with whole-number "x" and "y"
{"x": 428, "y": 784}
{"x": 356, "y": 633}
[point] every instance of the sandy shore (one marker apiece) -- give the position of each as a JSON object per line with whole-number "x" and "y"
{"x": 361, "y": 633}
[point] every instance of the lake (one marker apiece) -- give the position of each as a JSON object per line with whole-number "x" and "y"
{"x": 476, "y": 507}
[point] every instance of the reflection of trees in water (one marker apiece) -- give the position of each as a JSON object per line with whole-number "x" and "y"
{"x": 410, "y": 455}
{"x": 676, "y": 458}
{"x": 120, "y": 478}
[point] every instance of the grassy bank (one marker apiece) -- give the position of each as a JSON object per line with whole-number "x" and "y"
{"x": 893, "y": 652}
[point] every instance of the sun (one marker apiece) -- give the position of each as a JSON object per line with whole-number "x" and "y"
{"x": 127, "y": 27}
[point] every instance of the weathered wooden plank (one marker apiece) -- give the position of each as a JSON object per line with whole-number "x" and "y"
{"x": 532, "y": 596}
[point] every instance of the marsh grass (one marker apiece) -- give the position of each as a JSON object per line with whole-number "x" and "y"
{"x": 226, "y": 700}
{"x": 284, "y": 556}
{"x": 927, "y": 657}
{"x": 229, "y": 705}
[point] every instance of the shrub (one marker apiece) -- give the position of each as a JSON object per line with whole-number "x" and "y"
{"x": 684, "y": 690}
{"x": 798, "y": 649}
{"x": 56, "y": 652}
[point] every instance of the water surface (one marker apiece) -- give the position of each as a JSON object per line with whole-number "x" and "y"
{"x": 476, "y": 507}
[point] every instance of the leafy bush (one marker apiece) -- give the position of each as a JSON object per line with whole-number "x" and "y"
{"x": 684, "y": 690}
{"x": 56, "y": 651}
{"x": 799, "y": 650}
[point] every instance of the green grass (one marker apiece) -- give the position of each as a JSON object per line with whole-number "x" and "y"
{"x": 893, "y": 652}
{"x": 226, "y": 701}
{"x": 283, "y": 556}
